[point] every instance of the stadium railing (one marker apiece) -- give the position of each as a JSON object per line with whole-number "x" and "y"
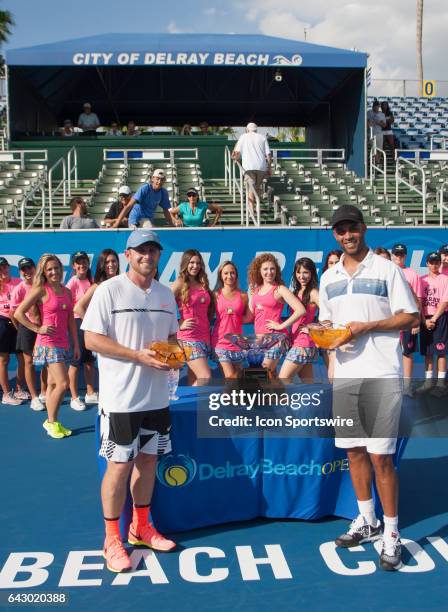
{"x": 401, "y": 165}
{"x": 442, "y": 206}
{"x": 234, "y": 180}
{"x": 60, "y": 185}
{"x": 374, "y": 168}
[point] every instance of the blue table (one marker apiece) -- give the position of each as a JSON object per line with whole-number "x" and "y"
{"x": 213, "y": 481}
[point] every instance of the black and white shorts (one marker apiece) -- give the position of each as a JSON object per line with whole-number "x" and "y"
{"x": 125, "y": 434}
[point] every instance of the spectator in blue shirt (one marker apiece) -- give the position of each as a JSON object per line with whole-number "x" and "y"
{"x": 143, "y": 204}
{"x": 192, "y": 213}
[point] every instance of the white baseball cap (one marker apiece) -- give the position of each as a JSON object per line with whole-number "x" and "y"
{"x": 124, "y": 190}
{"x": 159, "y": 173}
{"x": 251, "y": 127}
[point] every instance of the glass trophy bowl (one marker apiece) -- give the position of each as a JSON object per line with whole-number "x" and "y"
{"x": 254, "y": 346}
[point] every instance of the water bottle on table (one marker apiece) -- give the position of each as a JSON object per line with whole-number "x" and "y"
{"x": 173, "y": 383}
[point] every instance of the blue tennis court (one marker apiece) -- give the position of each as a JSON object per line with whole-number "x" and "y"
{"x": 51, "y": 522}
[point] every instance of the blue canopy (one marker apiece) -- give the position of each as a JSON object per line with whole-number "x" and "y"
{"x": 226, "y": 50}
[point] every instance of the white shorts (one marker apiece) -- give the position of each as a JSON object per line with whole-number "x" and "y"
{"x": 374, "y": 407}
{"x": 379, "y": 140}
{"x": 143, "y": 222}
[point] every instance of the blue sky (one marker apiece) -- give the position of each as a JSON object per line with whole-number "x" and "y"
{"x": 40, "y": 21}
{"x": 383, "y": 28}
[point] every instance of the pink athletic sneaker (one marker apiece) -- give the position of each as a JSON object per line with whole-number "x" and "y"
{"x": 117, "y": 559}
{"x": 149, "y": 536}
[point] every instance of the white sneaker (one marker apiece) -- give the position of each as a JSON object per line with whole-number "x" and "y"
{"x": 22, "y": 395}
{"x": 77, "y": 404}
{"x": 92, "y": 398}
{"x": 10, "y": 400}
{"x": 37, "y": 405}
{"x": 42, "y": 397}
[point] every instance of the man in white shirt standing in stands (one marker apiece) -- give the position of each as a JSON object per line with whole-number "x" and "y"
{"x": 125, "y": 315}
{"x": 253, "y": 150}
{"x": 370, "y": 295}
{"x": 376, "y": 120}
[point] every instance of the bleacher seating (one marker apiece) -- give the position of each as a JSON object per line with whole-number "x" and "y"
{"x": 16, "y": 183}
{"x": 416, "y": 119}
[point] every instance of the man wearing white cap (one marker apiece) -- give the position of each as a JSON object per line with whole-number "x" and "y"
{"x": 126, "y": 314}
{"x": 253, "y": 150}
{"x": 143, "y": 204}
{"x": 124, "y": 197}
{"x": 88, "y": 121}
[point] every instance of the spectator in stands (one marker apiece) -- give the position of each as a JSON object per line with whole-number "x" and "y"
{"x": 144, "y": 202}
{"x": 192, "y": 213}
{"x": 376, "y": 121}
{"x": 186, "y": 130}
{"x": 382, "y": 252}
{"x": 132, "y": 130}
{"x": 443, "y": 251}
{"x": 204, "y": 127}
{"x": 388, "y": 135}
{"x": 79, "y": 219}
{"x": 253, "y": 149}
{"x": 124, "y": 197}
{"x": 67, "y": 130}
{"x": 114, "y": 130}
{"x": 88, "y": 121}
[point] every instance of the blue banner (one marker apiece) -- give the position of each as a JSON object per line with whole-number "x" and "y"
{"x": 217, "y": 246}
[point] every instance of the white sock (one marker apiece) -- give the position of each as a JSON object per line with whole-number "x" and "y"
{"x": 428, "y": 374}
{"x": 441, "y": 377}
{"x": 390, "y": 527}
{"x": 367, "y": 510}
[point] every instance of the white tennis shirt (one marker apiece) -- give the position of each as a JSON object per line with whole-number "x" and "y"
{"x": 376, "y": 291}
{"x": 134, "y": 318}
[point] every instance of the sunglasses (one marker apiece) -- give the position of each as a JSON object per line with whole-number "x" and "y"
{"x": 192, "y": 195}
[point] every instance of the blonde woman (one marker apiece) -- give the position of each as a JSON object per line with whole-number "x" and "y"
{"x": 52, "y": 348}
{"x": 196, "y": 306}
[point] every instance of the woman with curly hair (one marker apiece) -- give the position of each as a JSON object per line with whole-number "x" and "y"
{"x": 196, "y": 307}
{"x": 231, "y": 312}
{"x": 268, "y": 295}
{"x": 303, "y": 351}
{"x": 52, "y": 348}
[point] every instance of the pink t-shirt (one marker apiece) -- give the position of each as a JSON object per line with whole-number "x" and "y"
{"x": 18, "y": 295}
{"x": 229, "y": 320}
{"x": 78, "y": 287}
{"x": 56, "y": 311}
{"x": 196, "y": 308}
{"x": 299, "y": 338}
{"x": 414, "y": 281}
{"x": 266, "y": 308}
{"x": 6, "y": 297}
{"x": 435, "y": 290}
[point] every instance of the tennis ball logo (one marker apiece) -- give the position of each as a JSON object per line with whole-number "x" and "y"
{"x": 176, "y": 470}
{"x": 176, "y": 476}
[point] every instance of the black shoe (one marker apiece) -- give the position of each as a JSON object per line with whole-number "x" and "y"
{"x": 390, "y": 558}
{"x": 359, "y": 533}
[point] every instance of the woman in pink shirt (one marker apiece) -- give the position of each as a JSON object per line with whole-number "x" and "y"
{"x": 52, "y": 347}
{"x": 196, "y": 305}
{"x": 231, "y": 312}
{"x": 8, "y": 332}
{"x": 303, "y": 351}
{"x": 434, "y": 329}
{"x": 79, "y": 284}
{"x": 26, "y": 338}
{"x": 268, "y": 295}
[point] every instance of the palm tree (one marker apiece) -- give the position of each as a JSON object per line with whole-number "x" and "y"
{"x": 419, "y": 45}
